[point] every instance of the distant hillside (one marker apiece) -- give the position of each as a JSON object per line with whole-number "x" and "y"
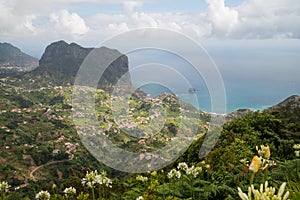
{"x": 288, "y": 111}
{"x": 14, "y": 61}
{"x": 61, "y": 61}
{"x": 237, "y": 114}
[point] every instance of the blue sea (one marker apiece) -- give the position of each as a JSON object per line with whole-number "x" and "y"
{"x": 257, "y": 82}
{"x": 254, "y": 96}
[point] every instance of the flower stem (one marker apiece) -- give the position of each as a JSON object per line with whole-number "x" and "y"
{"x": 173, "y": 188}
{"x": 93, "y": 193}
{"x": 252, "y": 178}
{"x": 266, "y": 175}
{"x": 169, "y": 188}
{"x": 99, "y": 191}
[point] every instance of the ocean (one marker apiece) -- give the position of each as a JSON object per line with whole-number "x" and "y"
{"x": 254, "y": 96}
{"x": 251, "y": 79}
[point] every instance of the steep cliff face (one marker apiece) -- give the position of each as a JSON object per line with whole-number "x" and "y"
{"x": 61, "y": 62}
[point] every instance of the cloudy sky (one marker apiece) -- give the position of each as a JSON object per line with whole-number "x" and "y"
{"x": 33, "y": 24}
{"x": 246, "y": 38}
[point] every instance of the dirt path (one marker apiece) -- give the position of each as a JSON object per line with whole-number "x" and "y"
{"x": 32, "y": 177}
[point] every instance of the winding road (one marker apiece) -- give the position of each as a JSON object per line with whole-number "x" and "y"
{"x": 32, "y": 177}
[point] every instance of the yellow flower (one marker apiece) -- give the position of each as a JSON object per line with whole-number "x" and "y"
{"x": 154, "y": 173}
{"x": 267, "y": 152}
{"x": 255, "y": 163}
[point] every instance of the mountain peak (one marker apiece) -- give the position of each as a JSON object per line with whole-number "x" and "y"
{"x": 14, "y": 61}
{"x": 63, "y": 50}
{"x": 61, "y": 62}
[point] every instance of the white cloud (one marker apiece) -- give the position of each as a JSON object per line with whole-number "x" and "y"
{"x": 253, "y": 19}
{"x": 50, "y": 20}
{"x": 66, "y": 22}
{"x": 129, "y": 6}
{"x": 13, "y": 24}
{"x": 268, "y": 19}
{"x": 118, "y": 27}
{"x": 114, "y": 24}
{"x": 28, "y": 23}
{"x": 222, "y": 18}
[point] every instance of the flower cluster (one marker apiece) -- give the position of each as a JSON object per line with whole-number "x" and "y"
{"x": 140, "y": 198}
{"x": 93, "y": 178}
{"x": 194, "y": 171}
{"x": 263, "y": 161}
{"x": 297, "y": 150}
{"x": 90, "y": 179}
{"x": 264, "y": 151}
{"x": 142, "y": 178}
{"x": 107, "y": 182}
{"x": 191, "y": 170}
{"x": 70, "y": 191}
{"x": 182, "y": 166}
{"x": 174, "y": 173}
{"x": 4, "y": 187}
{"x": 102, "y": 179}
{"x": 264, "y": 192}
{"x": 259, "y": 163}
{"x": 43, "y": 195}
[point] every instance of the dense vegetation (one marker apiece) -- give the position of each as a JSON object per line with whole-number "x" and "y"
{"x": 41, "y": 151}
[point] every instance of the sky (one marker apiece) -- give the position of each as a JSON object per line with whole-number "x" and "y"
{"x": 32, "y": 25}
{"x": 249, "y": 40}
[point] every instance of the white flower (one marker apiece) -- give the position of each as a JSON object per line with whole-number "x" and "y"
{"x": 296, "y": 146}
{"x": 102, "y": 179}
{"x": 99, "y": 179}
{"x": 265, "y": 192}
{"x": 107, "y": 182}
{"x": 90, "y": 179}
{"x": 70, "y": 191}
{"x": 196, "y": 171}
{"x": 178, "y": 174}
{"x": 140, "y": 198}
{"x": 297, "y": 153}
{"x": 286, "y": 196}
{"x": 4, "y": 186}
{"x": 264, "y": 151}
{"x": 170, "y": 174}
{"x": 183, "y": 166}
{"x": 281, "y": 189}
{"x": 43, "y": 195}
{"x": 174, "y": 173}
{"x": 242, "y": 195}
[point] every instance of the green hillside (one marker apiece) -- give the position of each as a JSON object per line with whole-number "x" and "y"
{"x": 40, "y": 144}
{"x": 40, "y": 147}
{"x": 46, "y": 127}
